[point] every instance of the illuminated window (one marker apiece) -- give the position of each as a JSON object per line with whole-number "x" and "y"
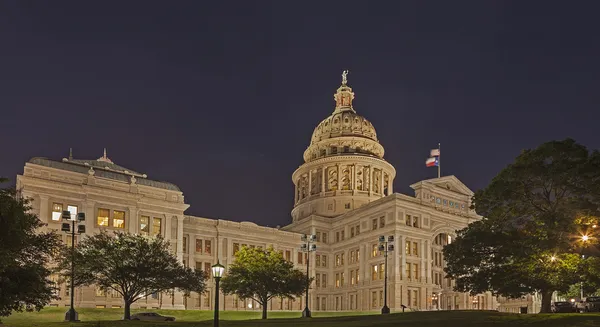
{"x": 144, "y": 225}
{"x": 381, "y": 270}
{"x": 156, "y": 226}
{"x": 357, "y": 276}
{"x": 103, "y": 215}
{"x": 374, "y": 273}
{"x": 73, "y": 211}
{"x": 407, "y": 248}
{"x": 118, "y": 219}
{"x": 374, "y": 250}
{"x": 380, "y": 298}
{"x": 207, "y": 247}
{"x": 337, "y": 280}
{"x": 57, "y": 209}
{"x": 199, "y": 246}
{"x": 100, "y": 292}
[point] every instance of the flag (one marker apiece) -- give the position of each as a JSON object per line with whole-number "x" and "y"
{"x": 432, "y": 162}
{"x": 435, "y": 153}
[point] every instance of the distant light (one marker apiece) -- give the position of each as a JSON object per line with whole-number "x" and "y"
{"x": 594, "y": 226}
{"x": 249, "y": 305}
{"x": 552, "y": 258}
{"x": 572, "y": 300}
{"x": 585, "y": 238}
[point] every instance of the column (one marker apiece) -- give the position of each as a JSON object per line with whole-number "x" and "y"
{"x": 44, "y": 216}
{"x": 353, "y": 179}
{"x": 339, "y": 178}
{"x": 192, "y": 250}
{"x": 323, "y": 179}
{"x": 178, "y": 296}
{"x": 422, "y": 246}
{"x": 309, "y": 192}
{"x": 403, "y": 251}
{"x": 88, "y": 294}
{"x": 428, "y": 261}
{"x": 381, "y": 182}
{"x": 295, "y": 192}
{"x": 370, "y": 180}
{"x": 133, "y": 220}
{"x": 390, "y": 185}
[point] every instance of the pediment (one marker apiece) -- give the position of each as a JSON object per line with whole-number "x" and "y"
{"x": 449, "y": 183}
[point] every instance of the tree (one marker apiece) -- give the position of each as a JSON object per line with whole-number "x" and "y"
{"x": 262, "y": 275}
{"x": 134, "y": 266}
{"x": 530, "y": 237}
{"x": 24, "y": 255}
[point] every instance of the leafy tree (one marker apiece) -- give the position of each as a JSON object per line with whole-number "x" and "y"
{"x": 262, "y": 275}
{"x": 134, "y": 266}
{"x": 530, "y": 237}
{"x": 24, "y": 255}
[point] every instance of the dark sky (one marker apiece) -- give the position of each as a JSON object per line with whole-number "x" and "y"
{"x": 221, "y": 97}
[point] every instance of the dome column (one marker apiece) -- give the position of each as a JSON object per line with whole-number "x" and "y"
{"x": 309, "y": 183}
{"x": 323, "y": 179}
{"x": 295, "y": 192}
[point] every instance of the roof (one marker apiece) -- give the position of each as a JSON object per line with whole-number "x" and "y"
{"x": 103, "y": 169}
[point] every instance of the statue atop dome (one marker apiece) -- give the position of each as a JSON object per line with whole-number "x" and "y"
{"x": 344, "y": 95}
{"x": 344, "y": 77}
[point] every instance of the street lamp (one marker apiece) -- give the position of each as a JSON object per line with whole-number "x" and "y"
{"x": 72, "y": 315}
{"x": 307, "y": 248}
{"x": 385, "y": 247}
{"x": 217, "y": 272}
{"x": 584, "y": 239}
{"x": 434, "y": 301}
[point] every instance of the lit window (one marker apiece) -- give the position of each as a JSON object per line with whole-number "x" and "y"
{"x": 156, "y": 222}
{"x": 374, "y": 273}
{"x": 236, "y": 246}
{"x": 103, "y": 215}
{"x": 207, "y": 247}
{"x": 57, "y": 209}
{"x": 118, "y": 219}
{"x": 144, "y": 225}
{"x": 73, "y": 211}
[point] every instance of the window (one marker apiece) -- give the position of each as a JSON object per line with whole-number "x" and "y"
{"x": 318, "y": 260}
{"x": 185, "y": 244}
{"x": 375, "y": 250}
{"x": 337, "y": 280}
{"x": 57, "y": 209}
{"x": 352, "y": 280}
{"x": 415, "y": 298}
{"x": 156, "y": 222}
{"x": 100, "y": 292}
{"x": 208, "y": 268}
{"x": 351, "y": 256}
{"x": 416, "y": 222}
{"x": 408, "y": 272}
{"x": 318, "y": 280}
{"x": 288, "y": 255}
{"x": 198, "y": 265}
{"x": 380, "y": 298}
{"x": 337, "y": 236}
{"x": 374, "y": 273}
{"x": 207, "y": 247}
{"x": 199, "y": 246}
{"x": 381, "y": 222}
{"x": 236, "y": 247}
{"x": 374, "y": 227}
{"x": 382, "y": 271}
{"x": 343, "y": 233}
{"x": 408, "y": 220}
{"x": 357, "y": 276}
{"x": 118, "y": 219}
{"x": 357, "y": 230}
{"x": 407, "y": 248}
{"x": 374, "y": 299}
{"x": 300, "y": 257}
{"x": 338, "y": 260}
{"x": 324, "y": 262}
{"x": 324, "y": 237}
{"x": 318, "y": 236}
{"x": 347, "y": 205}
{"x": 103, "y": 215}
{"x": 342, "y": 279}
{"x": 416, "y": 271}
{"x": 324, "y": 280}
{"x": 73, "y": 211}
{"x": 415, "y": 250}
{"x": 334, "y": 150}
{"x": 144, "y": 227}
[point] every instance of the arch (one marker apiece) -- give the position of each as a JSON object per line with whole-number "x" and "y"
{"x": 442, "y": 229}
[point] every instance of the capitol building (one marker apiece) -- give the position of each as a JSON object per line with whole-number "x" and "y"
{"x": 343, "y": 194}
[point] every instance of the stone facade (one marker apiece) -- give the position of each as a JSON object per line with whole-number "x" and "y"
{"x": 343, "y": 195}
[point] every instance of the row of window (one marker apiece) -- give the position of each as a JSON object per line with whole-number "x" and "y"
{"x": 446, "y": 202}
{"x": 321, "y": 280}
{"x": 207, "y": 249}
{"x": 412, "y": 221}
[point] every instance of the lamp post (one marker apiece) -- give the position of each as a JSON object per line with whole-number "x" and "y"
{"x": 385, "y": 247}
{"x": 217, "y": 272}
{"x": 69, "y": 228}
{"x": 307, "y": 248}
{"x": 584, "y": 239}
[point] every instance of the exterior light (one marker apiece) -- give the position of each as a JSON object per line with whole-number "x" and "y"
{"x": 68, "y": 226}
{"x": 385, "y": 246}
{"x": 594, "y": 226}
{"x": 66, "y": 215}
{"x": 307, "y": 247}
{"x": 585, "y": 238}
{"x": 217, "y": 272}
{"x": 552, "y": 258}
{"x": 572, "y": 300}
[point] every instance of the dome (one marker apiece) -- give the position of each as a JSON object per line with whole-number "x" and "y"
{"x": 344, "y": 131}
{"x": 344, "y": 123}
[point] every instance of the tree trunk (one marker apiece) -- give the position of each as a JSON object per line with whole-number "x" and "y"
{"x": 264, "y": 313}
{"x": 127, "y": 314}
{"x": 546, "y": 301}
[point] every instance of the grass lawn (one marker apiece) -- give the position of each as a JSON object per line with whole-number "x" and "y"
{"x": 110, "y": 317}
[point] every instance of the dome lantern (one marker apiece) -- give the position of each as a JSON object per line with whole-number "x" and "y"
{"x": 344, "y": 95}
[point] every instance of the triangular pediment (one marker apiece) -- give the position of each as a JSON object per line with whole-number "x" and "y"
{"x": 450, "y": 183}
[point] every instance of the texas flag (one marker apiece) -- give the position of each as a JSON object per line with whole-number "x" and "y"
{"x": 432, "y": 162}
{"x": 435, "y": 153}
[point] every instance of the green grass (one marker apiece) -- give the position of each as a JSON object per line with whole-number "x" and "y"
{"x": 52, "y": 317}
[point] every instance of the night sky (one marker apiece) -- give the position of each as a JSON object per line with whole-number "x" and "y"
{"x": 221, "y": 97}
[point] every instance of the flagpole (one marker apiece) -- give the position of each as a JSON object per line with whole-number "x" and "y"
{"x": 439, "y": 159}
